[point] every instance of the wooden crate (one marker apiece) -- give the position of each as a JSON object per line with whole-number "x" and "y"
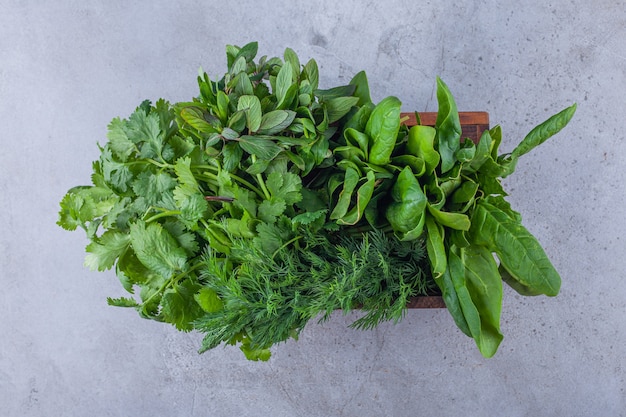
{"x": 473, "y": 124}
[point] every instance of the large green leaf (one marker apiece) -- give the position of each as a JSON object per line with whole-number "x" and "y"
{"x": 518, "y": 250}
{"x": 362, "y": 90}
{"x": 484, "y": 284}
{"x": 544, "y": 131}
{"x": 364, "y": 194}
{"x": 275, "y": 121}
{"x": 382, "y": 128}
{"x": 157, "y": 249}
{"x": 421, "y": 144}
{"x": 406, "y": 214}
{"x": 448, "y": 127}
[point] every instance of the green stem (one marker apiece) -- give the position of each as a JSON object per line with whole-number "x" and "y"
{"x": 261, "y": 182}
{"x": 163, "y": 214}
{"x": 209, "y": 176}
{"x": 172, "y": 281}
{"x": 289, "y": 242}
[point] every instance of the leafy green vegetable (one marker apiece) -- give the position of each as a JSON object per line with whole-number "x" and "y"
{"x": 265, "y": 202}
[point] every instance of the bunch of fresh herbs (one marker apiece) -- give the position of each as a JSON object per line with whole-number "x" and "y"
{"x": 266, "y": 202}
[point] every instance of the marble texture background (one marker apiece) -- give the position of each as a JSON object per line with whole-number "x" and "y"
{"x": 68, "y": 67}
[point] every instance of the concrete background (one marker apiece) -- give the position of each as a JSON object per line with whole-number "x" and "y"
{"x": 68, "y": 67}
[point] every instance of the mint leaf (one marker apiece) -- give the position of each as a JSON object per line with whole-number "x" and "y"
{"x": 251, "y": 106}
{"x": 260, "y": 147}
{"x": 275, "y": 121}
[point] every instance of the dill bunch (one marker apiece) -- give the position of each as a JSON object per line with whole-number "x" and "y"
{"x": 269, "y": 297}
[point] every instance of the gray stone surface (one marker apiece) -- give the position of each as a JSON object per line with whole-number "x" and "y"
{"x": 68, "y": 67}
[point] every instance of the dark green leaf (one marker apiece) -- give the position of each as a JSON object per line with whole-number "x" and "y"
{"x": 544, "y": 131}
{"x": 362, "y": 90}
{"x": 260, "y": 147}
{"x": 275, "y": 122}
{"x": 518, "y": 250}
{"x": 339, "y": 107}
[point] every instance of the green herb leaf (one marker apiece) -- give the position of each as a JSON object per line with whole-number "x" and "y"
{"x": 382, "y": 128}
{"x": 518, "y": 250}
{"x": 156, "y": 249}
{"x": 102, "y": 254}
{"x": 275, "y": 121}
{"x": 448, "y": 127}
{"x": 251, "y": 106}
{"x": 260, "y": 147}
{"x": 406, "y": 214}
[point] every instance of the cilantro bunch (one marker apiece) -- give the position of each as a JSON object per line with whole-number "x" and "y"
{"x": 265, "y": 202}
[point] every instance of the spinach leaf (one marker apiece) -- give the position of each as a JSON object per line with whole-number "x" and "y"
{"x": 448, "y": 127}
{"x": 382, "y": 129}
{"x": 518, "y": 250}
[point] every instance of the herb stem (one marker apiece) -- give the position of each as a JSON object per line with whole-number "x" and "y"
{"x": 289, "y": 242}
{"x": 261, "y": 182}
{"x": 172, "y": 281}
{"x": 211, "y": 177}
{"x": 163, "y": 214}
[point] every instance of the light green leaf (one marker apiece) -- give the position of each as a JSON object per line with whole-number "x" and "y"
{"x": 157, "y": 249}
{"x": 351, "y": 179}
{"x": 544, "y": 131}
{"x": 382, "y": 129}
{"x": 102, "y": 253}
{"x": 119, "y": 142}
{"x": 448, "y": 127}
{"x": 406, "y": 214}
{"x": 284, "y": 80}
{"x": 364, "y": 194}
{"x": 312, "y": 73}
{"x": 457, "y": 221}
{"x": 291, "y": 57}
{"x": 193, "y": 116}
{"x": 208, "y": 300}
{"x": 421, "y": 144}
{"x": 251, "y": 106}
{"x": 362, "y": 90}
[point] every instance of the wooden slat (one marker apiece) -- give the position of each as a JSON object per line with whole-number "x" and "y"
{"x": 473, "y": 124}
